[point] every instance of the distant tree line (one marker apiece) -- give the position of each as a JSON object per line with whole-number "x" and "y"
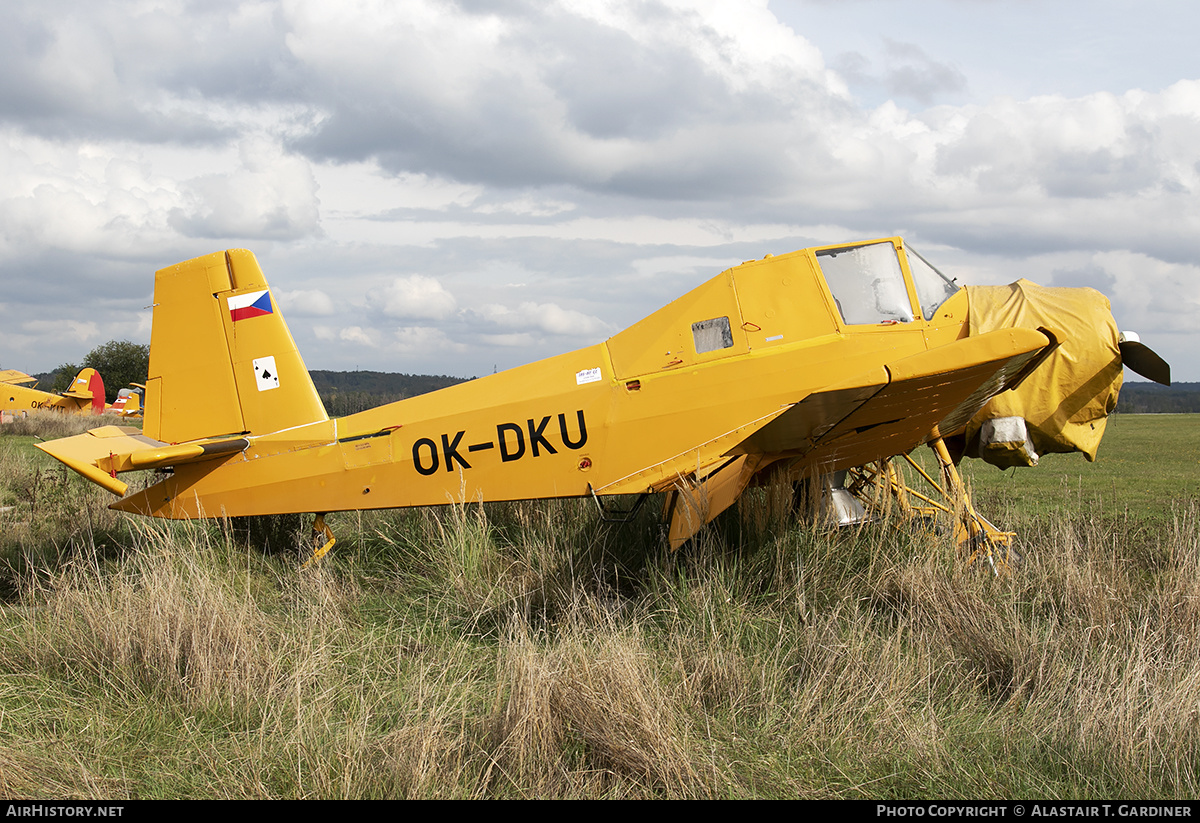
{"x": 1151, "y": 398}
{"x": 355, "y": 391}
{"x": 374, "y": 382}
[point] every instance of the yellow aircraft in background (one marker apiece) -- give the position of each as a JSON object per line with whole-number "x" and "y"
{"x": 128, "y": 402}
{"x": 801, "y": 365}
{"x": 19, "y": 397}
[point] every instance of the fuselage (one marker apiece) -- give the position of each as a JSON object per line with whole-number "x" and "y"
{"x": 670, "y": 396}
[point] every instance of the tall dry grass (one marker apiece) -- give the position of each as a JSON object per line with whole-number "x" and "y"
{"x": 51, "y": 425}
{"x": 530, "y": 650}
{"x": 583, "y": 712}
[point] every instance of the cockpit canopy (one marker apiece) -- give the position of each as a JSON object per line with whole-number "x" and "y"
{"x": 782, "y": 300}
{"x": 868, "y": 285}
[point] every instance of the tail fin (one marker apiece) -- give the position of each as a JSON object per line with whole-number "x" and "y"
{"x": 89, "y": 386}
{"x": 222, "y": 360}
{"x": 128, "y": 403}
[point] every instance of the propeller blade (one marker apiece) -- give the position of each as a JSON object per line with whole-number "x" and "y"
{"x": 1142, "y": 359}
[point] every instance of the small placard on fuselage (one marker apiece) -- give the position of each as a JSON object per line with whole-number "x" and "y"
{"x": 587, "y": 376}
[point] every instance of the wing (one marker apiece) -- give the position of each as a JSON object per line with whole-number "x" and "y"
{"x": 895, "y": 408}
{"x": 887, "y": 411}
{"x": 14, "y": 377}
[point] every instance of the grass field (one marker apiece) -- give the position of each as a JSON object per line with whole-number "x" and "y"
{"x": 528, "y": 650}
{"x": 1145, "y": 462}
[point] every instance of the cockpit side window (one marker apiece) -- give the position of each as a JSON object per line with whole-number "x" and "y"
{"x": 867, "y": 283}
{"x": 711, "y": 335}
{"x": 933, "y": 287}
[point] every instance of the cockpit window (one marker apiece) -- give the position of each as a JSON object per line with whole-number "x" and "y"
{"x": 933, "y": 287}
{"x": 867, "y": 283}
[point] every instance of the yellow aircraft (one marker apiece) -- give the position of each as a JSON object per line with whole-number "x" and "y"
{"x": 808, "y": 363}
{"x": 128, "y": 402}
{"x": 19, "y": 397}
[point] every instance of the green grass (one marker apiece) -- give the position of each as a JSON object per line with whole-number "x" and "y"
{"x": 528, "y": 650}
{"x": 1145, "y": 463}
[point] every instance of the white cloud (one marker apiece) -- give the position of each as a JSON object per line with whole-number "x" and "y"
{"x": 681, "y": 265}
{"x": 423, "y": 341}
{"x": 363, "y": 190}
{"x": 545, "y": 317}
{"x": 592, "y": 95}
{"x": 97, "y": 198}
{"x": 305, "y": 302}
{"x": 356, "y": 335}
{"x": 518, "y": 340}
{"x": 271, "y": 195}
{"x": 359, "y": 335}
{"x": 530, "y": 206}
{"x": 81, "y": 331}
{"x": 415, "y": 297}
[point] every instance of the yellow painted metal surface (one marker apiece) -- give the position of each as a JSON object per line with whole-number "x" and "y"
{"x": 755, "y": 370}
{"x": 221, "y": 359}
{"x": 19, "y": 378}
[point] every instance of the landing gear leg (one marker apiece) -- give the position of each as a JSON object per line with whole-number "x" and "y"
{"x": 320, "y": 532}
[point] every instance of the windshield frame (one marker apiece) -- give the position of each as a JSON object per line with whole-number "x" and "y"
{"x": 933, "y": 298}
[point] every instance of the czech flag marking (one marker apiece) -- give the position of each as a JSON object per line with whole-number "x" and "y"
{"x": 251, "y": 304}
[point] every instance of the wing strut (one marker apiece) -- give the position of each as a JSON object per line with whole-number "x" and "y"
{"x": 874, "y": 484}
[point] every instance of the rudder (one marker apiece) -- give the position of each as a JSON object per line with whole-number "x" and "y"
{"x": 222, "y": 360}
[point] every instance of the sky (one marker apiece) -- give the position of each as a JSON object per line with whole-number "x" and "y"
{"x": 462, "y": 186}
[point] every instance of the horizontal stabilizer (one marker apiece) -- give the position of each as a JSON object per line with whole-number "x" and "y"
{"x": 102, "y": 453}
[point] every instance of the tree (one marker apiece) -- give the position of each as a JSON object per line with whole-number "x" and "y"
{"x": 119, "y": 363}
